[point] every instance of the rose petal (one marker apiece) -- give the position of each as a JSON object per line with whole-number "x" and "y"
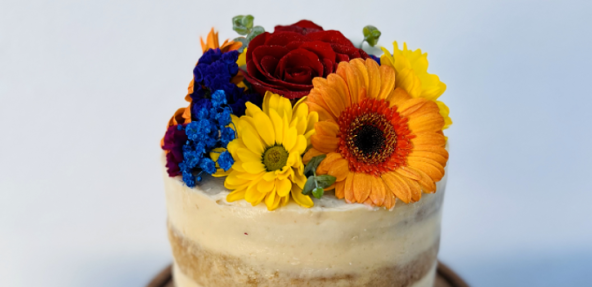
{"x": 268, "y": 65}
{"x": 299, "y": 58}
{"x": 284, "y": 38}
{"x": 256, "y": 42}
{"x": 330, "y": 36}
{"x": 298, "y": 75}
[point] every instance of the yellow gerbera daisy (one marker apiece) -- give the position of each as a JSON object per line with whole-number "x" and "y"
{"x": 411, "y": 74}
{"x": 380, "y": 143}
{"x": 268, "y": 153}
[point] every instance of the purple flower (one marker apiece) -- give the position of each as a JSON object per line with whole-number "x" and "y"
{"x": 174, "y": 139}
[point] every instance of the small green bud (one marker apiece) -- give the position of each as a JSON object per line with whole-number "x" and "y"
{"x": 318, "y": 192}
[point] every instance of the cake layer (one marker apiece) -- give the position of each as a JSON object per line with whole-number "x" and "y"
{"x": 217, "y": 243}
{"x": 196, "y": 266}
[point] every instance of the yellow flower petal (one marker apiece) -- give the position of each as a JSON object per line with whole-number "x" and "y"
{"x": 253, "y": 141}
{"x": 265, "y": 186}
{"x": 265, "y": 128}
{"x": 283, "y": 187}
{"x": 278, "y": 126}
{"x": 253, "y": 196}
{"x": 236, "y": 195}
{"x": 290, "y": 137}
{"x": 253, "y": 167}
{"x": 246, "y": 155}
{"x": 270, "y": 199}
{"x": 299, "y": 198}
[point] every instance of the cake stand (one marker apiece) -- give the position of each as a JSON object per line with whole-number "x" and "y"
{"x": 445, "y": 277}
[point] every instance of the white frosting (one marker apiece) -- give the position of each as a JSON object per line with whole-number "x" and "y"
{"x": 330, "y": 238}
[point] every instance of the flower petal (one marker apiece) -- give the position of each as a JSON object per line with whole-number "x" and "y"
{"x": 397, "y": 186}
{"x": 283, "y": 187}
{"x": 299, "y": 198}
{"x": 236, "y": 195}
{"x": 387, "y": 78}
{"x": 349, "y": 188}
{"x": 362, "y": 186}
{"x": 340, "y": 189}
{"x": 252, "y": 141}
{"x": 378, "y": 194}
{"x": 290, "y": 138}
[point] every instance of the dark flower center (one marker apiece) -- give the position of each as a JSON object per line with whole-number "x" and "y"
{"x": 369, "y": 139}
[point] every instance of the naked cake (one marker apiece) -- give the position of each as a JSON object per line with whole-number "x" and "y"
{"x": 302, "y": 160}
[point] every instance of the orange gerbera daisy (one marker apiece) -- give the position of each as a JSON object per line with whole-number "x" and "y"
{"x": 381, "y": 144}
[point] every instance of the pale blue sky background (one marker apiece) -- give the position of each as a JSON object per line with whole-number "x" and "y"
{"x": 86, "y": 88}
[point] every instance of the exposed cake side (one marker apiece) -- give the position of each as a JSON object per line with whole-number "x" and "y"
{"x": 217, "y": 243}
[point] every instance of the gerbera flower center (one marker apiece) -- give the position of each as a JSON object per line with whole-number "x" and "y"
{"x": 275, "y": 157}
{"x": 368, "y": 139}
{"x": 370, "y": 133}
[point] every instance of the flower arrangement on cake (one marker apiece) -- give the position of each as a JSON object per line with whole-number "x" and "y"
{"x": 300, "y": 111}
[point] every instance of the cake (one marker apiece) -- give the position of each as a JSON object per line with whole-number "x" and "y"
{"x": 301, "y": 160}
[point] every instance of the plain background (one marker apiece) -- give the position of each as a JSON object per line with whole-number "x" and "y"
{"x": 86, "y": 89}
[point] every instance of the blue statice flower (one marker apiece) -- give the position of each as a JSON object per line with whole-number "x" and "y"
{"x": 208, "y": 165}
{"x": 227, "y": 135}
{"x": 225, "y": 161}
{"x": 208, "y": 130}
{"x": 214, "y": 71}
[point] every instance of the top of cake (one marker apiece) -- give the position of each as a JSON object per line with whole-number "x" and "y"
{"x": 286, "y": 115}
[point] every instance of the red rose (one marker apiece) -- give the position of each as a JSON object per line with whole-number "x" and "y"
{"x": 285, "y": 61}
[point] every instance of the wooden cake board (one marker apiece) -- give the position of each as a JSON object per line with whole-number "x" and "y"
{"x": 445, "y": 277}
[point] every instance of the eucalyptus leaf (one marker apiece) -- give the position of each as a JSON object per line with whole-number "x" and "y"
{"x": 256, "y": 31}
{"x": 325, "y": 181}
{"x": 309, "y": 185}
{"x": 318, "y": 192}
{"x": 238, "y": 26}
{"x": 371, "y": 35}
{"x": 313, "y": 164}
{"x": 247, "y": 21}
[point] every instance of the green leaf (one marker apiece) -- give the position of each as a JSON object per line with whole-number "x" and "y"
{"x": 309, "y": 185}
{"x": 313, "y": 164}
{"x": 247, "y": 21}
{"x": 325, "y": 181}
{"x": 256, "y": 31}
{"x": 242, "y": 40}
{"x": 371, "y": 35}
{"x": 318, "y": 192}
{"x": 238, "y": 26}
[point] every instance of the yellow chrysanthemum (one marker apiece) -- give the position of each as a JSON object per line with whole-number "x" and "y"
{"x": 411, "y": 74}
{"x": 268, "y": 153}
